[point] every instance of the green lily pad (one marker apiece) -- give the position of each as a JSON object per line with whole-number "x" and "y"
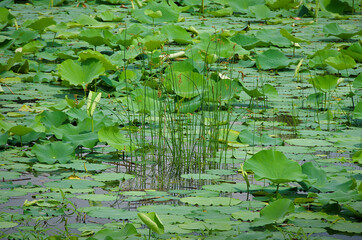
{"x": 176, "y": 33}
{"x": 115, "y": 138}
{"x": 106, "y": 176}
{"x": 201, "y": 176}
{"x": 341, "y": 62}
{"x": 97, "y": 197}
{"x": 80, "y": 74}
{"x": 210, "y": 201}
{"x": 168, "y": 14}
{"x": 347, "y": 226}
{"x": 4, "y": 175}
{"x": 54, "y": 152}
{"x": 308, "y": 142}
{"x": 326, "y": 83}
{"x": 333, "y": 29}
{"x": 4, "y": 225}
{"x": 74, "y": 183}
{"x": 246, "y": 215}
{"x": 248, "y": 137}
{"x": 272, "y": 59}
{"x": 274, "y": 166}
{"x": 274, "y": 211}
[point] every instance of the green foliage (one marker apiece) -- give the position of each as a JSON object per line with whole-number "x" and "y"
{"x": 54, "y": 152}
{"x": 274, "y": 166}
{"x": 80, "y": 74}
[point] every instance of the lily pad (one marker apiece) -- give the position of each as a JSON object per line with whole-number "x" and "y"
{"x": 333, "y": 29}
{"x": 274, "y": 166}
{"x": 54, "y": 152}
{"x": 80, "y": 74}
{"x": 211, "y": 201}
{"x": 272, "y": 59}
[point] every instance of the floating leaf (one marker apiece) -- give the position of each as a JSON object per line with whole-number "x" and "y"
{"x": 186, "y": 84}
{"x": 261, "y": 11}
{"x": 246, "y": 215}
{"x": 308, "y": 142}
{"x": 272, "y": 59}
{"x": 41, "y": 24}
{"x": 341, "y": 62}
{"x": 80, "y": 74}
{"x": 176, "y": 33}
{"x": 115, "y": 138}
{"x": 292, "y": 38}
{"x": 201, "y": 176}
{"x": 211, "y": 201}
{"x": 7, "y": 224}
{"x": 333, "y": 29}
{"x": 20, "y": 130}
{"x": 274, "y": 166}
{"x": 106, "y": 176}
{"x": 326, "y": 83}
{"x": 347, "y": 226}
{"x": 248, "y": 137}
{"x": 274, "y": 211}
{"x": 168, "y": 14}
{"x": 54, "y": 152}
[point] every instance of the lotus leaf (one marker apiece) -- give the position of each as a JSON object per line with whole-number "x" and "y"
{"x": 285, "y": 4}
{"x": 341, "y": 62}
{"x": 187, "y": 84}
{"x": 357, "y": 112}
{"x": 87, "y": 54}
{"x": 211, "y": 201}
{"x": 292, "y": 38}
{"x": 242, "y": 6}
{"x": 168, "y": 14}
{"x": 333, "y": 29}
{"x": 109, "y": 213}
{"x": 54, "y": 152}
{"x": 41, "y": 24}
{"x": 248, "y": 137}
{"x": 272, "y": 59}
{"x": 152, "y": 221}
{"x": 73, "y": 184}
{"x": 52, "y": 118}
{"x": 339, "y": 197}
{"x": 152, "y": 42}
{"x": 115, "y": 138}
{"x": 97, "y": 197}
{"x": 246, "y": 41}
{"x": 94, "y": 37}
{"x": 354, "y": 51}
{"x": 176, "y": 33}
{"x": 347, "y": 226}
{"x": 326, "y": 83}
{"x": 128, "y": 230}
{"x": 104, "y": 177}
{"x": 316, "y": 176}
{"x": 33, "y": 46}
{"x": 80, "y": 74}
{"x": 272, "y": 37}
{"x": 200, "y": 176}
{"x": 5, "y": 175}
{"x": 88, "y": 140}
{"x": 222, "y": 12}
{"x": 274, "y": 212}
{"x": 274, "y": 166}
{"x": 246, "y": 215}
{"x": 6, "y": 18}
{"x": 20, "y": 130}
{"x": 7, "y": 224}
{"x": 261, "y": 12}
